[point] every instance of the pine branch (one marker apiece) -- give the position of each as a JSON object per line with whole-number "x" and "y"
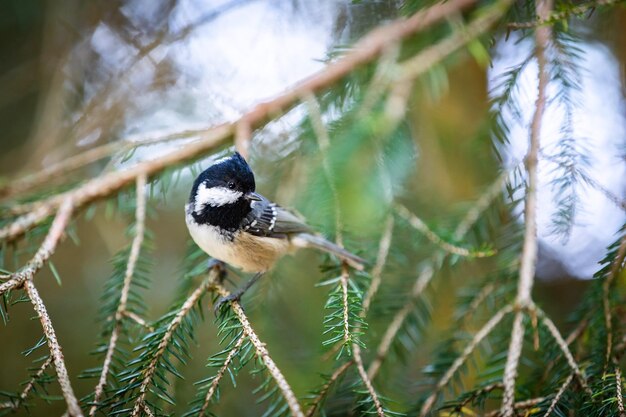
{"x": 17, "y": 402}
{"x": 55, "y": 349}
{"x": 356, "y": 350}
{"x": 555, "y": 17}
{"x": 42, "y": 177}
{"x": 616, "y": 267}
{"x": 558, "y": 395}
{"x": 262, "y": 352}
{"x": 220, "y": 373}
{"x": 529, "y": 251}
{"x": 427, "y": 273}
{"x": 419, "y": 225}
{"x": 563, "y": 345}
{"x": 381, "y": 260}
{"x": 44, "y": 252}
{"x": 151, "y": 368}
{"x": 458, "y": 362}
{"x": 365, "y": 51}
{"x": 140, "y": 217}
{"x": 321, "y": 395}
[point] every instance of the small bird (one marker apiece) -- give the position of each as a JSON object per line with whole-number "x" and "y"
{"x": 232, "y": 223}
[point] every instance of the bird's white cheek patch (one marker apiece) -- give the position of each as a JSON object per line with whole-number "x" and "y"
{"x": 215, "y": 197}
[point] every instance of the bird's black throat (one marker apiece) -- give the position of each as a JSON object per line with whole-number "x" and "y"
{"x": 228, "y": 216}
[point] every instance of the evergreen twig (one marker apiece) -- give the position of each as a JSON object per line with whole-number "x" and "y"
{"x": 140, "y": 218}
{"x": 262, "y": 352}
{"x": 55, "y": 349}
{"x": 529, "y": 250}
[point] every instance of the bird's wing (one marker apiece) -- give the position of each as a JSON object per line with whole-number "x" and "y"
{"x": 271, "y": 220}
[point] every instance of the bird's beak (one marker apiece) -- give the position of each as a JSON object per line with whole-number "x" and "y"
{"x": 252, "y": 196}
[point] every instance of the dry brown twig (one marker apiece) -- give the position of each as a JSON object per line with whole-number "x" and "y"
{"x": 140, "y": 218}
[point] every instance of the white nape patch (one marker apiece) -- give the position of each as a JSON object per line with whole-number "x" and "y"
{"x": 221, "y": 160}
{"x": 214, "y": 197}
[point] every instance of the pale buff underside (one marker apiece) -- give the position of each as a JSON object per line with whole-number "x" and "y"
{"x": 254, "y": 253}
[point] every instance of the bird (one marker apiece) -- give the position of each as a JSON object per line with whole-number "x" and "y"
{"x": 234, "y": 224}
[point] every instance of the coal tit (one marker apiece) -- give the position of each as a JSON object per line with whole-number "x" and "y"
{"x": 232, "y": 223}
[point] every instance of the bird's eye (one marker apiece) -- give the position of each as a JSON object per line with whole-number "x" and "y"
{"x": 231, "y": 185}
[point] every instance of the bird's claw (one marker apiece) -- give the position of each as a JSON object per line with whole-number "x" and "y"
{"x": 236, "y": 296}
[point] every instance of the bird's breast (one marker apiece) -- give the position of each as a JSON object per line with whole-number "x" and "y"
{"x": 239, "y": 249}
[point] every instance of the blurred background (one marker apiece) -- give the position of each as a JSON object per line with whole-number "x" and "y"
{"x": 75, "y": 75}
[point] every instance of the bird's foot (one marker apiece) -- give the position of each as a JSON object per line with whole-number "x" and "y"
{"x": 236, "y": 296}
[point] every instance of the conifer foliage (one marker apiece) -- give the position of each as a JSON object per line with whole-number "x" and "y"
{"x": 406, "y": 336}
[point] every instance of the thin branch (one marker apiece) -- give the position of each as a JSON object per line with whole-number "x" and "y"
{"x": 558, "y": 395}
{"x": 322, "y": 394}
{"x": 148, "y": 374}
{"x": 323, "y": 142}
{"x": 262, "y": 353}
{"x": 419, "y": 64}
{"x": 519, "y": 405}
{"x": 356, "y": 350}
{"x": 557, "y": 16}
{"x": 381, "y": 260}
{"x": 55, "y": 349}
{"x": 484, "y": 201}
{"x": 529, "y": 250}
{"x": 564, "y": 348}
{"x": 365, "y": 51}
{"x": 15, "y": 403}
{"x": 140, "y": 217}
{"x": 618, "y": 391}
{"x": 137, "y": 319}
{"x": 23, "y": 185}
{"x": 45, "y": 251}
{"x": 395, "y": 325}
{"x": 606, "y": 289}
{"x": 427, "y": 273}
{"x": 458, "y": 362}
{"x": 218, "y": 377}
{"x": 423, "y": 228}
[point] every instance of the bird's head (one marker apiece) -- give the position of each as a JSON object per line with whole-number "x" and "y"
{"x": 222, "y": 193}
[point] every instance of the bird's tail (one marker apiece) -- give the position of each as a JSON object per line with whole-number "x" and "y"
{"x": 306, "y": 240}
